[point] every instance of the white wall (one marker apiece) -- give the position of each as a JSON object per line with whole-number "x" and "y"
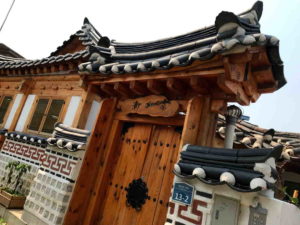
{"x": 25, "y": 112}
{"x": 72, "y": 109}
{"x": 13, "y": 110}
{"x": 92, "y": 115}
{"x": 279, "y": 212}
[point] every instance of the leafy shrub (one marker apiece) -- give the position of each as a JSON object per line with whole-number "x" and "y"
{"x": 13, "y": 179}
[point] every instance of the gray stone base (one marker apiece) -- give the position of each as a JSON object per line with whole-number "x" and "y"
{"x": 12, "y": 216}
{"x": 31, "y": 219}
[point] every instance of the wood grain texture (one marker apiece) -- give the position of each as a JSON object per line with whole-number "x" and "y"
{"x": 152, "y": 105}
{"x": 95, "y": 155}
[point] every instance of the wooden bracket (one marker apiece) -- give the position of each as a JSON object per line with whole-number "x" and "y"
{"x": 122, "y": 90}
{"x": 175, "y": 87}
{"x": 234, "y": 71}
{"x": 218, "y": 106}
{"x": 108, "y": 89}
{"x": 155, "y": 87}
{"x": 83, "y": 83}
{"x": 231, "y": 87}
{"x": 199, "y": 85}
{"x": 138, "y": 88}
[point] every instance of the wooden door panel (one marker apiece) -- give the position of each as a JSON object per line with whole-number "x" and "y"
{"x": 133, "y": 148}
{"x": 147, "y": 152}
{"x": 164, "y": 196}
{"x": 137, "y": 154}
{"x": 154, "y": 176}
{"x": 112, "y": 197}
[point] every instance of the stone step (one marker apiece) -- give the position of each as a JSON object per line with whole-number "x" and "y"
{"x": 12, "y": 216}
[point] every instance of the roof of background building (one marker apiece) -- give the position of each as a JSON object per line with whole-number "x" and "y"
{"x": 252, "y": 136}
{"x": 83, "y": 38}
{"x": 6, "y": 52}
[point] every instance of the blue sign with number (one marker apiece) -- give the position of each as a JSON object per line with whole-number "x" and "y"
{"x": 183, "y": 193}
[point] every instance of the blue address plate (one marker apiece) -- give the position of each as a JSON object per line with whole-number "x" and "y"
{"x": 183, "y": 193}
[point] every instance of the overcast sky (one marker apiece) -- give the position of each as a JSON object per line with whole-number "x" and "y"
{"x": 35, "y": 28}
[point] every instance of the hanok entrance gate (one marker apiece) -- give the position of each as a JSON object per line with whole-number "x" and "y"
{"x": 150, "y": 91}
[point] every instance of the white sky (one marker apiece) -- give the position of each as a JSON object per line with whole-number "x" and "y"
{"x": 35, "y": 28}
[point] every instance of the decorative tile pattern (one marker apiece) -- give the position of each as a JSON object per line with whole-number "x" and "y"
{"x": 52, "y": 188}
{"x": 49, "y": 197}
{"x": 197, "y": 213}
{"x": 31, "y": 155}
{"x": 28, "y": 152}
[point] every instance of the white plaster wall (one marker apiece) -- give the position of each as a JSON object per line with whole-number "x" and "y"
{"x": 279, "y": 212}
{"x": 13, "y": 110}
{"x": 25, "y": 112}
{"x": 92, "y": 115}
{"x": 72, "y": 109}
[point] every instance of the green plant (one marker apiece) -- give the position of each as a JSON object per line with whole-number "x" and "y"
{"x": 2, "y": 222}
{"x": 294, "y": 201}
{"x": 13, "y": 179}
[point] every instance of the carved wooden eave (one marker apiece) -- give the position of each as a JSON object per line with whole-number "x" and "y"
{"x": 241, "y": 75}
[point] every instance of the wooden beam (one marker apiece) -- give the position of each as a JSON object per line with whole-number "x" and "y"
{"x": 122, "y": 90}
{"x": 203, "y": 130}
{"x": 155, "y": 87}
{"x": 250, "y": 86}
{"x": 159, "y": 76}
{"x": 138, "y": 88}
{"x": 267, "y": 87}
{"x": 108, "y": 89}
{"x": 199, "y": 85}
{"x": 108, "y": 160}
{"x": 263, "y": 75}
{"x": 240, "y": 58}
{"x": 231, "y": 87}
{"x": 93, "y": 159}
{"x": 242, "y": 97}
{"x": 234, "y": 71}
{"x": 171, "y": 121}
{"x": 228, "y": 86}
{"x": 218, "y": 106}
{"x": 176, "y": 87}
{"x": 192, "y": 121}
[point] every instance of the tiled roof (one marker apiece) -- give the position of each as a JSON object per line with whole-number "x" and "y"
{"x": 71, "y": 139}
{"x": 244, "y": 170}
{"x": 252, "y": 136}
{"x": 229, "y": 30}
{"x": 5, "y": 51}
{"x": 88, "y": 36}
{"x": 26, "y": 138}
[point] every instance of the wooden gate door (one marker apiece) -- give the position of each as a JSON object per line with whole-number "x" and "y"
{"x": 147, "y": 152}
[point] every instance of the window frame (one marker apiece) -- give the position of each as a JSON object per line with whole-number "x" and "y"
{"x": 41, "y": 125}
{"x": 2, "y": 97}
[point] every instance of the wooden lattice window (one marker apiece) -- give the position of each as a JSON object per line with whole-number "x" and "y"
{"x": 47, "y": 112}
{"x": 4, "y": 106}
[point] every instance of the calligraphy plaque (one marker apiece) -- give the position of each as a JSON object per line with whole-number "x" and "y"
{"x": 152, "y": 105}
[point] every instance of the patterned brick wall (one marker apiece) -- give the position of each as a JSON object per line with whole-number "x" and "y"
{"x": 52, "y": 188}
{"x": 25, "y": 153}
{"x": 198, "y": 213}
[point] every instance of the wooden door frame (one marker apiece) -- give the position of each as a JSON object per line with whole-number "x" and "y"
{"x": 198, "y": 128}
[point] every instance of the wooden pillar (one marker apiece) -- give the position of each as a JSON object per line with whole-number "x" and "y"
{"x": 95, "y": 153}
{"x": 200, "y": 122}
